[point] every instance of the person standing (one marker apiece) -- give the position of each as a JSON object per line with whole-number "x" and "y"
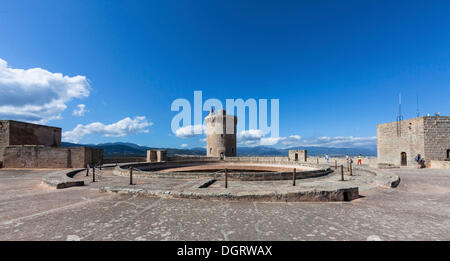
{"x": 327, "y": 157}
{"x": 347, "y": 158}
{"x": 359, "y": 160}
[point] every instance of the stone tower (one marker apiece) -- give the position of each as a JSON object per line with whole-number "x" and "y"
{"x": 220, "y": 134}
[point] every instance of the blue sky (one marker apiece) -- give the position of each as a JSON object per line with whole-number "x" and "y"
{"x": 336, "y": 66}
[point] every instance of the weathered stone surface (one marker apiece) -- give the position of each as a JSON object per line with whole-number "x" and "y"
{"x": 312, "y": 195}
{"x": 416, "y": 210}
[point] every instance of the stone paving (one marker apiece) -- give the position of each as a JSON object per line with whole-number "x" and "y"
{"x": 418, "y": 209}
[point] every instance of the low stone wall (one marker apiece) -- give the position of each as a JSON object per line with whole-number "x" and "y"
{"x": 310, "y": 195}
{"x": 181, "y": 158}
{"x": 63, "y": 179}
{"x": 259, "y": 159}
{"x": 241, "y": 176}
{"x": 150, "y": 170}
{"x": 124, "y": 160}
{"x": 367, "y": 161}
{"x": 436, "y": 164}
{"x": 31, "y": 156}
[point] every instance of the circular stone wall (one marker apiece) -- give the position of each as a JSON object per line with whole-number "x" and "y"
{"x": 244, "y": 171}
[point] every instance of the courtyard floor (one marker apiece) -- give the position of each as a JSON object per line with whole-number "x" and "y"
{"x": 418, "y": 209}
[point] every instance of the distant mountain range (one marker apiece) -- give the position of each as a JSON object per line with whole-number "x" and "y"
{"x": 125, "y": 149}
{"x": 312, "y": 151}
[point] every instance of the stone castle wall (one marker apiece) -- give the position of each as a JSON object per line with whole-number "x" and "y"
{"x": 390, "y": 145}
{"x": 4, "y": 138}
{"x": 156, "y": 155}
{"x": 22, "y": 133}
{"x": 302, "y": 155}
{"x": 151, "y": 156}
{"x": 437, "y": 138}
{"x": 35, "y": 156}
{"x": 428, "y": 136}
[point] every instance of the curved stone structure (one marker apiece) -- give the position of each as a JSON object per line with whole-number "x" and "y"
{"x": 220, "y": 134}
{"x": 63, "y": 179}
{"x": 242, "y": 171}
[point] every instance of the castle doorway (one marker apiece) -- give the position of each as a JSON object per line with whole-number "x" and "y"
{"x": 404, "y": 159}
{"x": 296, "y": 156}
{"x": 448, "y": 154}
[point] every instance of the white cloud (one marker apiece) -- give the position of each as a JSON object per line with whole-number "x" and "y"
{"x": 250, "y": 134}
{"x": 270, "y": 141}
{"x": 119, "y": 129}
{"x": 80, "y": 111}
{"x": 37, "y": 95}
{"x": 342, "y": 142}
{"x": 256, "y": 138}
{"x": 190, "y": 131}
{"x": 184, "y": 145}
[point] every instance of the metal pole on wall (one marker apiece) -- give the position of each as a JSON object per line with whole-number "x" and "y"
{"x": 335, "y": 164}
{"x": 131, "y": 175}
{"x": 351, "y": 169}
{"x": 342, "y": 172}
{"x": 226, "y": 178}
{"x": 93, "y": 174}
{"x": 293, "y": 177}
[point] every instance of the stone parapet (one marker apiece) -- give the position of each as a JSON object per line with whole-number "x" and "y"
{"x": 30, "y": 156}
